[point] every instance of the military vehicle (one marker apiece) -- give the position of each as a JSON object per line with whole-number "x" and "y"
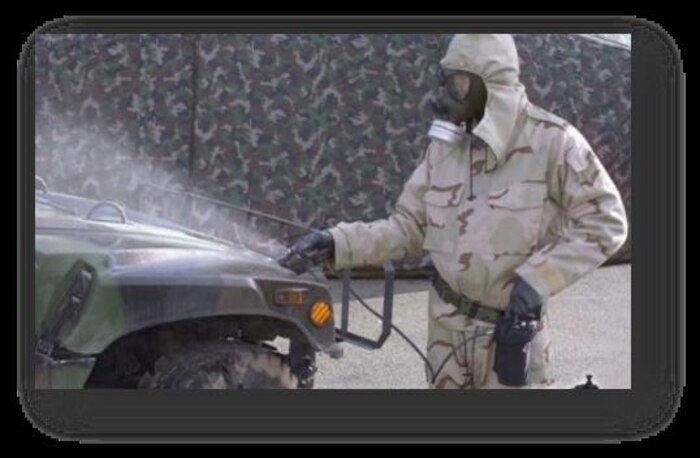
{"x": 124, "y": 299}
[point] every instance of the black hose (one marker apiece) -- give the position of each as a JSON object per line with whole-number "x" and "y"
{"x": 432, "y": 372}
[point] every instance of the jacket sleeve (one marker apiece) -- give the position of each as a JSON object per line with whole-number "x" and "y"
{"x": 398, "y": 236}
{"x": 594, "y": 220}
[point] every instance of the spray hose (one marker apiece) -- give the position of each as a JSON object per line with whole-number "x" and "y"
{"x": 432, "y": 373}
{"x": 298, "y": 262}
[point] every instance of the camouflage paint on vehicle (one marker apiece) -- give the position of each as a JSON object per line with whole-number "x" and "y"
{"x": 146, "y": 273}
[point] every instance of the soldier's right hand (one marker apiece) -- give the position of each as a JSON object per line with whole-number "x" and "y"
{"x": 311, "y": 249}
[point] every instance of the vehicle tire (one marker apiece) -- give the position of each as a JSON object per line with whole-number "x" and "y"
{"x": 221, "y": 365}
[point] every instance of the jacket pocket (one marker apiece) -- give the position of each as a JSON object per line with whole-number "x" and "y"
{"x": 516, "y": 215}
{"x": 441, "y": 209}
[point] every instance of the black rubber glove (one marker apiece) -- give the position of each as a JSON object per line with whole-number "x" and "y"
{"x": 310, "y": 250}
{"x": 524, "y": 300}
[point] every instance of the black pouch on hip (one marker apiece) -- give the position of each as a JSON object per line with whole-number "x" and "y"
{"x": 512, "y": 360}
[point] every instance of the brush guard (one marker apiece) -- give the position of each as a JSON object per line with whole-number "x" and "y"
{"x": 343, "y": 333}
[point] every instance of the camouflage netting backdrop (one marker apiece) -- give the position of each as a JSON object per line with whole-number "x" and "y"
{"x": 313, "y": 128}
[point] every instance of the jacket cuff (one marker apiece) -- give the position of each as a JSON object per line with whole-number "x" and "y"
{"x": 343, "y": 253}
{"x": 542, "y": 278}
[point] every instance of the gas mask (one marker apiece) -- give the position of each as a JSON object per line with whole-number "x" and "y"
{"x": 460, "y": 106}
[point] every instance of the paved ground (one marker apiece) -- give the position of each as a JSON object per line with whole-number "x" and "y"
{"x": 590, "y": 325}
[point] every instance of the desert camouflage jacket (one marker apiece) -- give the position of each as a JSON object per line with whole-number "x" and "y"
{"x": 525, "y": 195}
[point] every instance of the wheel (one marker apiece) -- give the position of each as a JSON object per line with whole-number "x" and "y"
{"x": 302, "y": 360}
{"x": 220, "y": 365}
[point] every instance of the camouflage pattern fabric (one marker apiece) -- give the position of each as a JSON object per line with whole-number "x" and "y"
{"x": 111, "y": 111}
{"x": 315, "y": 128}
{"x": 461, "y": 351}
{"x": 524, "y": 194}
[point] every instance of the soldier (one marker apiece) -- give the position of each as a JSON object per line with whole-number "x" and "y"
{"x": 513, "y": 206}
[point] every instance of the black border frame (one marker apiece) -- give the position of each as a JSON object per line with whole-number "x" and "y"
{"x": 658, "y": 283}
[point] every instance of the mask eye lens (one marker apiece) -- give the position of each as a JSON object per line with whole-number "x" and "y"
{"x": 458, "y": 85}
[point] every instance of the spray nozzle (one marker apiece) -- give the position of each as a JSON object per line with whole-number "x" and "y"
{"x": 300, "y": 263}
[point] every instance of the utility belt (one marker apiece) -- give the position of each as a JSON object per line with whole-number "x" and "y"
{"x": 512, "y": 335}
{"x": 471, "y": 308}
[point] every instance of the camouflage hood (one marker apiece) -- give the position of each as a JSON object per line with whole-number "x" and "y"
{"x": 495, "y": 59}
